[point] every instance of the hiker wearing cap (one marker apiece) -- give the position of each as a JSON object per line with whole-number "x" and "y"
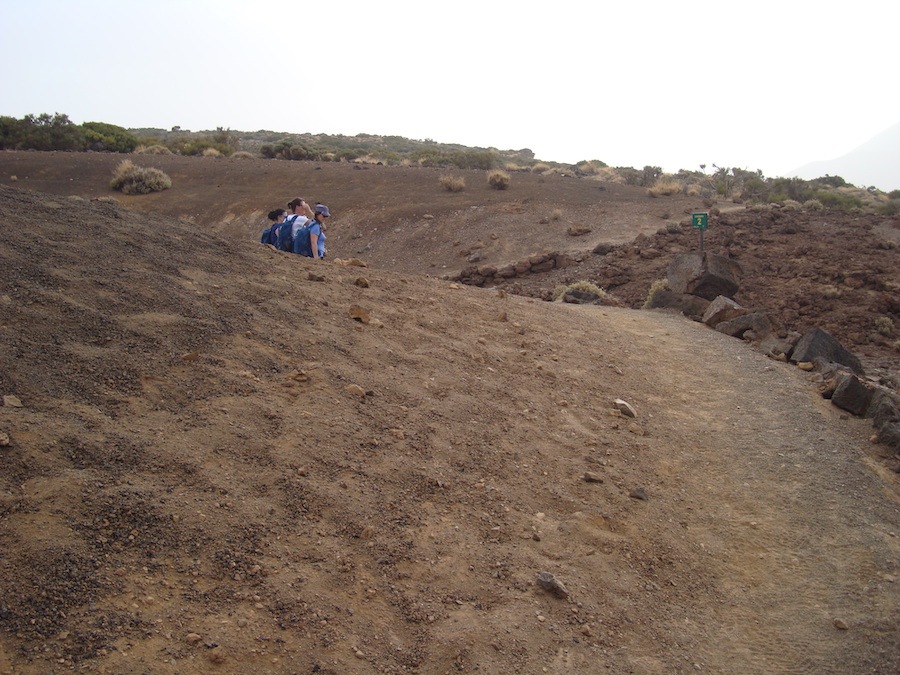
{"x": 317, "y": 231}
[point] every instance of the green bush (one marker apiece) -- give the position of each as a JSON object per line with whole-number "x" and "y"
{"x": 838, "y": 200}
{"x": 197, "y": 146}
{"x": 102, "y": 137}
{"x": 11, "y": 131}
{"x": 889, "y": 208}
{"x": 41, "y": 132}
{"x": 131, "y": 179}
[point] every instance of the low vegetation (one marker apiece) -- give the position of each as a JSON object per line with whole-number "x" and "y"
{"x": 581, "y": 287}
{"x": 664, "y": 187}
{"x": 58, "y": 132}
{"x": 131, "y": 179}
{"x": 656, "y": 287}
{"x": 453, "y": 183}
{"x": 884, "y": 325}
{"x": 499, "y": 180}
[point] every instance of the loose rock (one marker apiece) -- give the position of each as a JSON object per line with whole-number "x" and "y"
{"x": 625, "y": 408}
{"x": 639, "y": 493}
{"x": 552, "y": 585}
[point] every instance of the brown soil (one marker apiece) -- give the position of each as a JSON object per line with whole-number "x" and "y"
{"x": 215, "y": 468}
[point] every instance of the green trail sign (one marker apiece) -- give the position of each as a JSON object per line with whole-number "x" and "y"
{"x": 700, "y": 221}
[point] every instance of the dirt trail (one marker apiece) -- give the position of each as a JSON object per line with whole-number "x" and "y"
{"x": 768, "y": 486}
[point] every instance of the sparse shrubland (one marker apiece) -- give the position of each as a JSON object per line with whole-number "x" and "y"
{"x": 58, "y": 132}
{"x": 131, "y": 179}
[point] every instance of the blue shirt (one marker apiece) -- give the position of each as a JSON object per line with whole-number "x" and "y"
{"x": 316, "y": 229}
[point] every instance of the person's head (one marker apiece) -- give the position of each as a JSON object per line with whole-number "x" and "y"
{"x": 277, "y": 215}
{"x": 296, "y": 204}
{"x": 322, "y": 212}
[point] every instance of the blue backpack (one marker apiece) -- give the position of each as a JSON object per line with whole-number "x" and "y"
{"x": 270, "y": 235}
{"x": 302, "y": 245}
{"x": 285, "y": 240}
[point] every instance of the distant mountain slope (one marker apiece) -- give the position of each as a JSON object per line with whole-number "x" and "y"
{"x": 876, "y": 162}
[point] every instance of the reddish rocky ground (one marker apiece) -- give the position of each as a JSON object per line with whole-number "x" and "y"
{"x": 209, "y": 465}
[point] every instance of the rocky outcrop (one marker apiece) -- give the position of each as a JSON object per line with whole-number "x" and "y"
{"x": 722, "y": 309}
{"x": 491, "y": 275}
{"x": 884, "y": 411}
{"x": 704, "y": 275}
{"x": 851, "y": 394}
{"x": 819, "y": 344}
{"x": 689, "y": 305}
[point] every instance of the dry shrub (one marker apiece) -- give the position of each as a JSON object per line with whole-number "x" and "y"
{"x": 152, "y": 150}
{"x": 243, "y": 154}
{"x": 582, "y": 286}
{"x": 453, "y": 183}
{"x": 540, "y": 167}
{"x": 664, "y": 186}
{"x": 657, "y": 287}
{"x": 211, "y": 152}
{"x": 499, "y": 180}
{"x": 884, "y": 325}
{"x": 131, "y": 179}
{"x": 608, "y": 174}
{"x": 556, "y": 214}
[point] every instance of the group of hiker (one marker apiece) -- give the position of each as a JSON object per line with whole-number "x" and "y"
{"x": 300, "y": 229}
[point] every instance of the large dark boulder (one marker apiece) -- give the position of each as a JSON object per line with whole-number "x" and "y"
{"x": 818, "y": 343}
{"x": 689, "y": 305}
{"x": 851, "y": 395}
{"x": 757, "y": 322}
{"x": 885, "y": 413}
{"x": 722, "y": 309}
{"x": 707, "y": 275}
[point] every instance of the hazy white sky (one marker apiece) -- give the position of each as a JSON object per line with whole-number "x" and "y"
{"x": 767, "y": 85}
